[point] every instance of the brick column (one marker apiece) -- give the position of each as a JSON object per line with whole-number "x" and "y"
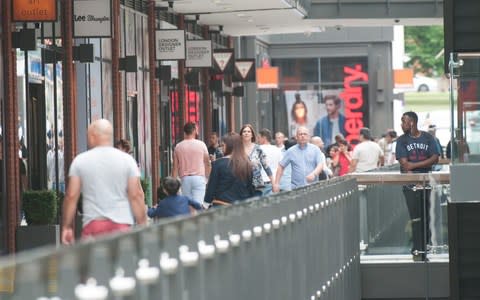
{"x": 207, "y": 94}
{"x": 116, "y": 82}
{"x": 182, "y": 113}
{"x": 10, "y": 135}
{"x": 229, "y": 99}
{"x": 69, "y": 86}
{"x": 154, "y": 88}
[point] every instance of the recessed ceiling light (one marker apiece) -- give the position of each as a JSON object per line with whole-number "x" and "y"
{"x": 250, "y": 20}
{"x": 241, "y": 15}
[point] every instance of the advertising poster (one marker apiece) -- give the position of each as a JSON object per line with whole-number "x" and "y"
{"x": 329, "y": 112}
{"x": 304, "y": 108}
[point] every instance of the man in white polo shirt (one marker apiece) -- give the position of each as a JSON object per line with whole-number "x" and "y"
{"x": 367, "y": 155}
{"x": 274, "y": 156}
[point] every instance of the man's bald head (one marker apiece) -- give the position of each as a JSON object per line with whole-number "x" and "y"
{"x": 303, "y": 135}
{"x": 100, "y": 133}
{"x": 317, "y": 141}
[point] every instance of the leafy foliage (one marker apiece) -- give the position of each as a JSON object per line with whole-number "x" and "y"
{"x": 422, "y": 45}
{"x": 145, "y": 182}
{"x": 40, "y": 207}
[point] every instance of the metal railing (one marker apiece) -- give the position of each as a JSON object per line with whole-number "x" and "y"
{"x": 294, "y": 245}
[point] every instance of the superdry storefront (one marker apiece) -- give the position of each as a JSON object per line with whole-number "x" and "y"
{"x": 350, "y": 77}
{"x": 309, "y": 83}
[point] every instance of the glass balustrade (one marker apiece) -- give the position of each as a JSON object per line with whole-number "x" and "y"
{"x": 386, "y": 224}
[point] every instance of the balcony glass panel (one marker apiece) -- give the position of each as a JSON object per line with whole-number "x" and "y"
{"x": 386, "y": 223}
{"x": 466, "y": 105}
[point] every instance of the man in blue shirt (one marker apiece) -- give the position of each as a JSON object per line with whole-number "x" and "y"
{"x": 416, "y": 152}
{"x": 173, "y": 205}
{"x": 333, "y": 123}
{"x": 306, "y": 161}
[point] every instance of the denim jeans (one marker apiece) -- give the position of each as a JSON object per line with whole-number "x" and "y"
{"x": 61, "y": 186}
{"x": 194, "y": 187}
{"x": 267, "y": 190}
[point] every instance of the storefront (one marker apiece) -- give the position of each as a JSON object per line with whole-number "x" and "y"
{"x": 308, "y": 83}
{"x": 356, "y": 70}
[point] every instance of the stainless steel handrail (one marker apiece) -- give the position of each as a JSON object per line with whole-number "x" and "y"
{"x": 401, "y": 178}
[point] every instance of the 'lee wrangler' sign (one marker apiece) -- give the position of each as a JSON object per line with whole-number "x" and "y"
{"x": 92, "y": 18}
{"x": 34, "y": 10}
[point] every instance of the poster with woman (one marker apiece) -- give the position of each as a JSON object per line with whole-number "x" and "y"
{"x": 341, "y": 109}
{"x": 303, "y": 109}
{"x": 307, "y": 107}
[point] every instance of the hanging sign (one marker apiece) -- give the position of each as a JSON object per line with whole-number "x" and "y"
{"x": 267, "y": 78}
{"x": 170, "y": 44}
{"x": 244, "y": 70}
{"x": 223, "y": 61}
{"x": 199, "y": 53}
{"x": 34, "y": 10}
{"x": 92, "y": 18}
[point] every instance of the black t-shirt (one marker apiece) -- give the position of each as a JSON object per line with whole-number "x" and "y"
{"x": 215, "y": 150}
{"x": 417, "y": 149}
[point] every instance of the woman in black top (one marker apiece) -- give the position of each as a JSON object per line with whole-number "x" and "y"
{"x": 231, "y": 176}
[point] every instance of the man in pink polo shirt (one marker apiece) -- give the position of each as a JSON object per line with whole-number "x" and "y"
{"x": 192, "y": 164}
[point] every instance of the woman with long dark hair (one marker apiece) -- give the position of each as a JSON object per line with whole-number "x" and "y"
{"x": 257, "y": 157}
{"x": 231, "y": 176}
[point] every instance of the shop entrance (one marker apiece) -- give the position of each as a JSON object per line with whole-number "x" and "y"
{"x": 36, "y": 153}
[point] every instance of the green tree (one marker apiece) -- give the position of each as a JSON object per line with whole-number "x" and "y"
{"x": 422, "y": 46}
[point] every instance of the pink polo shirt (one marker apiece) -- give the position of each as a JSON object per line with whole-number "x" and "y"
{"x": 190, "y": 155}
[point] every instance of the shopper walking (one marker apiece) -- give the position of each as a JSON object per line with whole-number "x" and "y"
{"x": 109, "y": 181}
{"x": 191, "y": 163}
{"x": 231, "y": 177}
{"x": 305, "y": 159}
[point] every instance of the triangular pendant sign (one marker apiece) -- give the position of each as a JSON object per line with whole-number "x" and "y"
{"x": 222, "y": 59}
{"x": 244, "y": 67}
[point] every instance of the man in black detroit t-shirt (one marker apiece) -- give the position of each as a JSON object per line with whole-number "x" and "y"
{"x": 416, "y": 152}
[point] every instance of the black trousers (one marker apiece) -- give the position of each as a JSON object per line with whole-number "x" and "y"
{"x": 418, "y": 203}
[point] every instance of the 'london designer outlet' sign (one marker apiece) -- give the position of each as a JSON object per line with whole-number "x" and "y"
{"x": 199, "y": 53}
{"x": 170, "y": 44}
{"x": 92, "y": 18}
